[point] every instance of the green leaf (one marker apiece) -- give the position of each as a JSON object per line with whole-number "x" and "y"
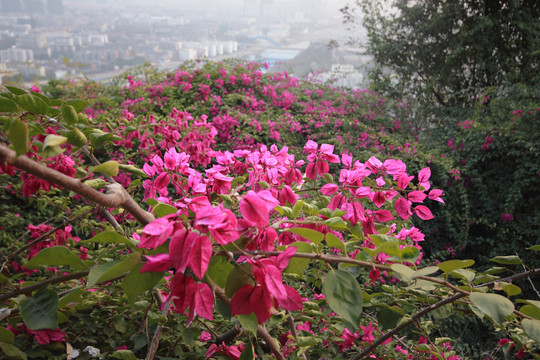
{"x": 465, "y": 274}
{"x": 303, "y": 341}
{"x": 32, "y": 104}
{"x": 495, "y": 306}
{"x": 296, "y": 209}
{"x": 99, "y": 137}
{"x": 40, "y": 311}
{"x": 298, "y": 265}
{"x": 388, "y": 317}
{"x": 15, "y": 90}
{"x": 132, "y": 169}
{"x": 54, "y": 140}
{"x": 344, "y": 296}
{"x": 511, "y": 289}
{"x": 379, "y": 239}
{"x": 73, "y": 296}
{"x": 136, "y": 283}
{"x": 425, "y": 271}
{"x": 249, "y": 322}
{"x": 6, "y": 336}
{"x": 78, "y": 105}
{"x": 410, "y": 254}
{"x": 336, "y": 223}
{"x": 534, "y": 248}
{"x": 124, "y": 355}
{"x": 451, "y": 265}
{"x": 163, "y": 209}
{"x": 404, "y": 272}
{"x": 56, "y": 256}
{"x": 110, "y": 237}
{"x": 238, "y": 277}
{"x": 531, "y": 328}
{"x": 507, "y": 260}
{"x": 76, "y": 137}
{"x": 12, "y": 351}
{"x": 312, "y": 235}
{"x": 333, "y": 241}
{"x": 113, "y": 269}
{"x": 6, "y": 105}
{"x": 531, "y": 311}
{"x": 96, "y": 183}
{"x": 69, "y": 114}
{"x": 109, "y": 168}
{"x": 248, "y": 353}
{"x": 219, "y": 270}
{"x": 18, "y": 136}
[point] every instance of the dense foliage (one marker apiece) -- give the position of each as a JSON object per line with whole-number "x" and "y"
{"x": 248, "y": 233}
{"x": 442, "y": 52}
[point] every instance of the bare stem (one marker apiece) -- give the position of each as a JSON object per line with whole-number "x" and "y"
{"x": 116, "y": 195}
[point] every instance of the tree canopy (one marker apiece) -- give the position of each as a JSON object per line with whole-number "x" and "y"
{"x": 445, "y": 50}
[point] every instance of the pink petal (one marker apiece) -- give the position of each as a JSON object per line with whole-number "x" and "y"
{"x": 158, "y": 262}
{"x": 282, "y": 260}
{"x": 180, "y": 249}
{"x": 383, "y": 216}
{"x": 204, "y": 301}
{"x": 328, "y": 189}
{"x": 403, "y": 208}
{"x": 293, "y": 300}
{"x": 200, "y": 255}
{"x": 417, "y": 196}
{"x": 254, "y": 209}
{"x": 423, "y": 212}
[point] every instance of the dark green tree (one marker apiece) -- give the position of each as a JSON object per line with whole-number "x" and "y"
{"x": 445, "y": 51}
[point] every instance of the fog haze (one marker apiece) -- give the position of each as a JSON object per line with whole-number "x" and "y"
{"x": 42, "y": 39}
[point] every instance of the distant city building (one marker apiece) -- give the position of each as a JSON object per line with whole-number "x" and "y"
{"x": 16, "y": 55}
{"x": 187, "y": 54}
{"x": 31, "y": 41}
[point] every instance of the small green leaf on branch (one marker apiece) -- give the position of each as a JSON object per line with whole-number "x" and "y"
{"x": 451, "y": 265}
{"x": 109, "y": 168}
{"x": 532, "y": 329}
{"x": 495, "y": 306}
{"x": 344, "y": 296}
{"x": 18, "y": 136}
{"x": 507, "y": 260}
{"x": 40, "y": 311}
{"x": 56, "y": 256}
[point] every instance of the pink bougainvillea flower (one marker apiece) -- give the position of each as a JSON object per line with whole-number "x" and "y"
{"x": 156, "y": 233}
{"x": 254, "y": 209}
{"x": 329, "y": 189}
{"x": 46, "y": 336}
{"x": 205, "y": 336}
{"x": 417, "y": 196}
{"x": 200, "y": 255}
{"x": 354, "y": 212}
{"x": 404, "y": 180}
{"x": 423, "y": 178}
{"x": 403, "y": 208}
{"x": 180, "y": 248}
{"x": 374, "y": 274}
{"x": 383, "y": 216}
{"x": 436, "y": 194}
{"x": 374, "y": 164}
{"x": 423, "y": 212}
{"x": 158, "y": 262}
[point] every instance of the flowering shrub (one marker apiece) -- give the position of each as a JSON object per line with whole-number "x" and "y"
{"x": 274, "y": 253}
